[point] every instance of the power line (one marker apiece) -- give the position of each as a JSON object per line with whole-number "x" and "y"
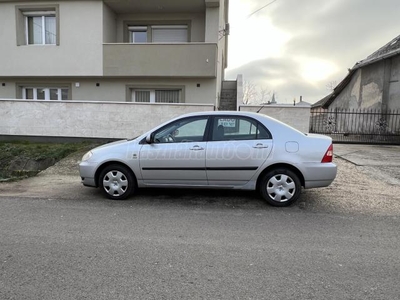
{"x": 261, "y": 8}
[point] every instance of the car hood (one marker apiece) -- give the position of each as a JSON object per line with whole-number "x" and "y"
{"x": 110, "y": 145}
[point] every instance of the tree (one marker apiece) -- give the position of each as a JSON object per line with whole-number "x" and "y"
{"x": 330, "y": 86}
{"x": 265, "y": 95}
{"x": 253, "y": 94}
{"x": 249, "y": 92}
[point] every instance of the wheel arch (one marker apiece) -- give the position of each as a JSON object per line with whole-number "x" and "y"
{"x": 108, "y": 163}
{"x": 281, "y": 166}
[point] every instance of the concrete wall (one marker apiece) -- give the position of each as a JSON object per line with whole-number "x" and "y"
{"x": 79, "y": 52}
{"x": 363, "y": 91}
{"x": 115, "y": 89}
{"x": 109, "y": 25}
{"x": 86, "y": 119}
{"x": 349, "y": 98}
{"x": 295, "y": 116}
{"x": 394, "y": 88}
{"x": 160, "y": 60}
{"x": 240, "y": 92}
{"x": 222, "y": 44}
{"x": 374, "y": 86}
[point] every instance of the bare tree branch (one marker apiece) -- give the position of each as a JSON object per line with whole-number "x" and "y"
{"x": 330, "y": 86}
{"x": 254, "y": 94}
{"x": 265, "y": 95}
{"x": 249, "y": 92}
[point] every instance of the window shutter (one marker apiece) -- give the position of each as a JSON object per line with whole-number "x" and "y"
{"x": 169, "y": 34}
{"x": 142, "y": 96}
{"x": 167, "y": 96}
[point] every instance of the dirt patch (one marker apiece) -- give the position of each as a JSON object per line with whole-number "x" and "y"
{"x": 22, "y": 167}
{"x": 356, "y": 189}
{"x": 25, "y": 159}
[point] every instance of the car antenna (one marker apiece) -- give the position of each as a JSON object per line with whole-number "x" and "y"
{"x": 260, "y": 108}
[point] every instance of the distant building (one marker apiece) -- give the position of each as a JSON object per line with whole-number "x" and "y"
{"x": 372, "y": 83}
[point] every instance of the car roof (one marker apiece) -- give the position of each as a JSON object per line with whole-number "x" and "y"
{"x": 225, "y": 112}
{"x": 258, "y": 116}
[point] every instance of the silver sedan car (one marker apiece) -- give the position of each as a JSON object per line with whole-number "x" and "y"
{"x": 226, "y": 150}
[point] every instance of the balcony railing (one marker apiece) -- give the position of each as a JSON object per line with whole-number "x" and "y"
{"x": 160, "y": 60}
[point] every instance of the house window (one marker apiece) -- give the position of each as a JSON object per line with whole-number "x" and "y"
{"x": 45, "y": 93}
{"x": 138, "y": 34}
{"x": 40, "y": 28}
{"x": 158, "y": 34}
{"x": 37, "y": 25}
{"x": 157, "y": 95}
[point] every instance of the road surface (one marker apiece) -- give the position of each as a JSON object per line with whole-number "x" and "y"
{"x": 173, "y": 248}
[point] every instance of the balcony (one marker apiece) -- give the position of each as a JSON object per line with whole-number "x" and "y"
{"x": 162, "y": 6}
{"x": 160, "y": 60}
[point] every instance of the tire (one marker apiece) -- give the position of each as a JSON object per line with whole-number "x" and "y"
{"x": 117, "y": 182}
{"x": 280, "y": 187}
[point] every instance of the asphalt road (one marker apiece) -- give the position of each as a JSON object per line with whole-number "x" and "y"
{"x": 179, "y": 249}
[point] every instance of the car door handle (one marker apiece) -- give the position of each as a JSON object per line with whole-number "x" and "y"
{"x": 196, "y": 148}
{"x": 260, "y": 146}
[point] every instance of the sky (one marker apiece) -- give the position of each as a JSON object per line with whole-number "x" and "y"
{"x": 300, "y": 47}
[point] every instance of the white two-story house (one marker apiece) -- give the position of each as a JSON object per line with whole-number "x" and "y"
{"x": 157, "y": 51}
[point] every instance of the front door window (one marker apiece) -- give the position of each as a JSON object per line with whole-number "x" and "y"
{"x": 186, "y": 130}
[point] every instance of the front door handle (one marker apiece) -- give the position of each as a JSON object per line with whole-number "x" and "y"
{"x": 196, "y": 148}
{"x": 260, "y": 146}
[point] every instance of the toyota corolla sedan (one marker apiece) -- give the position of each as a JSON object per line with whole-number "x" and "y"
{"x": 225, "y": 150}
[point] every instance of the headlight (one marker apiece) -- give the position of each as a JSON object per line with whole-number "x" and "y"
{"x": 87, "y": 156}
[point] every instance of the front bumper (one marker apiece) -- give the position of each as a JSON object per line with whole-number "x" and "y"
{"x": 87, "y": 172}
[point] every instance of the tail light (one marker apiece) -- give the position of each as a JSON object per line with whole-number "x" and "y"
{"x": 328, "y": 155}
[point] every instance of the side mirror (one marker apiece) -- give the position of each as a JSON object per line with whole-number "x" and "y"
{"x": 149, "y": 138}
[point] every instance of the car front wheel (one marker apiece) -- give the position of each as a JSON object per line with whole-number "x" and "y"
{"x": 117, "y": 182}
{"x": 280, "y": 187}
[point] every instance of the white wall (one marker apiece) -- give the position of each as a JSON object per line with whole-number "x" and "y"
{"x": 86, "y": 119}
{"x": 295, "y": 116}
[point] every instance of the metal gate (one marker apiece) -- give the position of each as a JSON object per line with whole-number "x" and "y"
{"x": 365, "y": 126}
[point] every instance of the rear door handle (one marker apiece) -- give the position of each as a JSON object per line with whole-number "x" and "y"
{"x": 260, "y": 146}
{"x": 196, "y": 148}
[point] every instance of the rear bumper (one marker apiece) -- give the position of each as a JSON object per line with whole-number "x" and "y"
{"x": 319, "y": 175}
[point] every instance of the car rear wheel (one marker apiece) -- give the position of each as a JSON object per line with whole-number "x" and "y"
{"x": 117, "y": 182}
{"x": 280, "y": 187}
